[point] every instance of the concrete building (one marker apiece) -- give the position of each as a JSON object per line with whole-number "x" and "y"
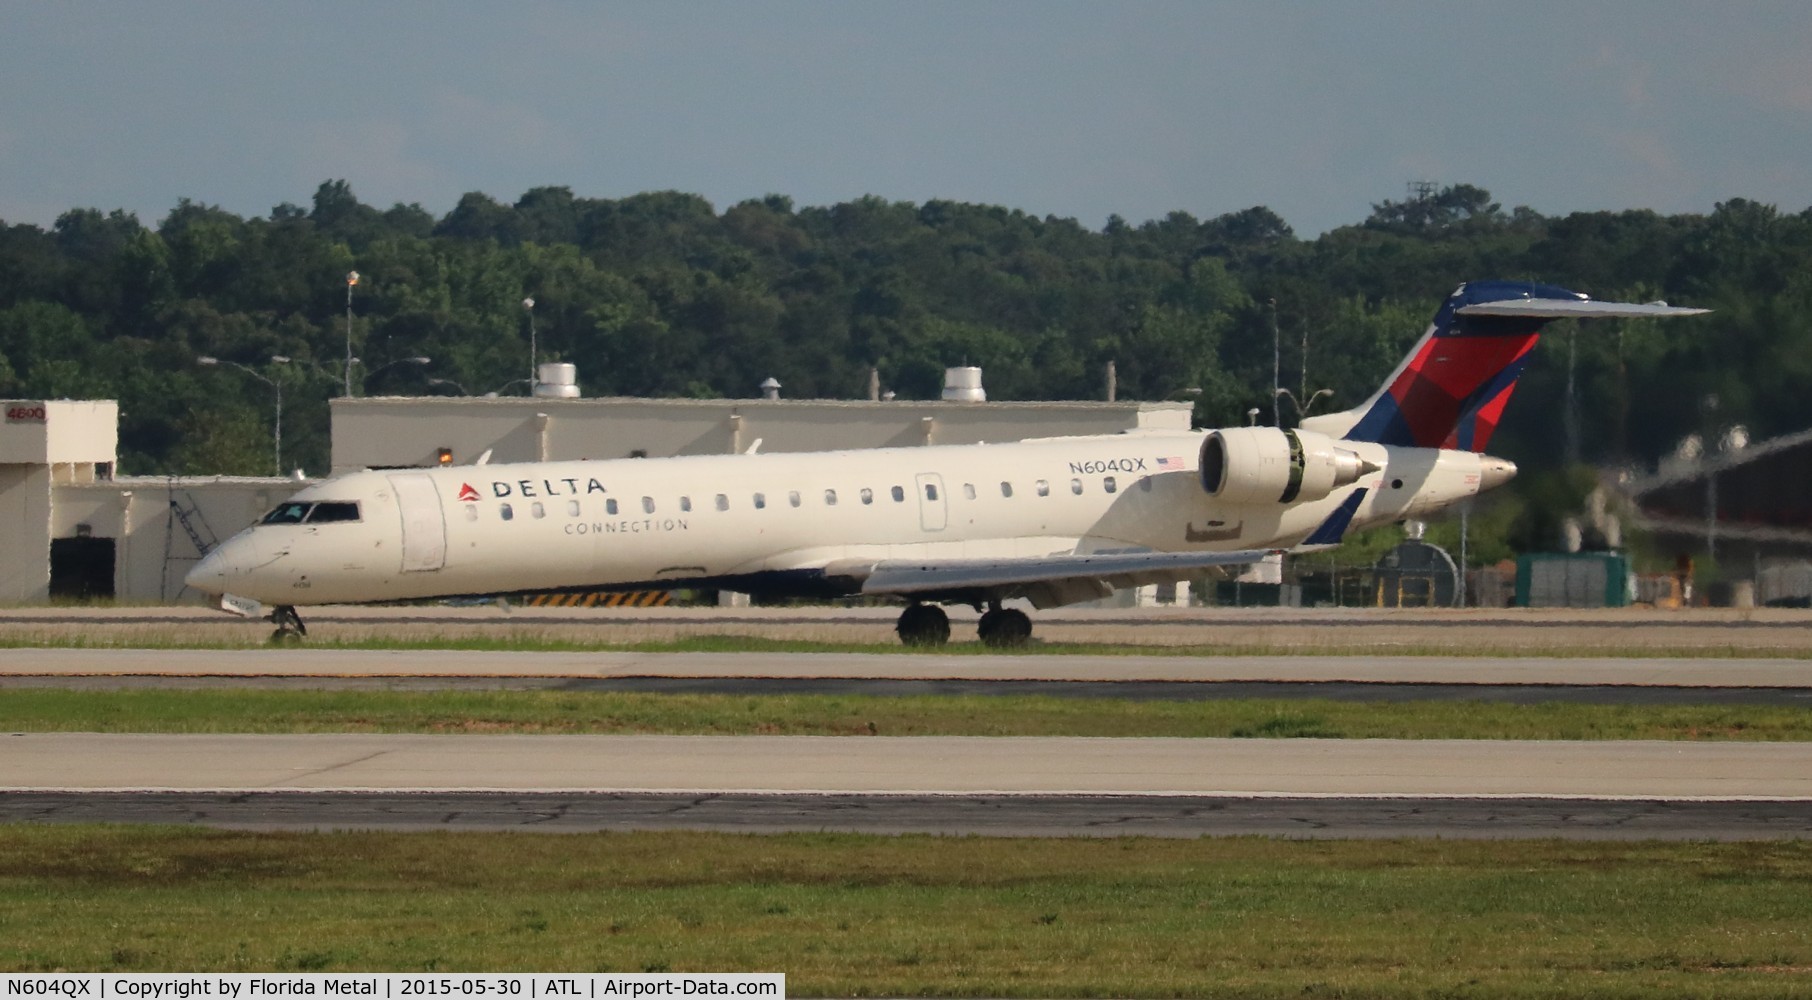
{"x": 398, "y": 431}
{"x": 75, "y": 530}
{"x": 1745, "y": 504}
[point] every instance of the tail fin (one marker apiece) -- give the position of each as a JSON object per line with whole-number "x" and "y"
{"x": 1451, "y": 390}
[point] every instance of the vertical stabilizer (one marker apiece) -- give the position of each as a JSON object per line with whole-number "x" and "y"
{"x": 1451, "y": 390}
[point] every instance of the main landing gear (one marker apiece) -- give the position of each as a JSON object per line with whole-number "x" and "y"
{"x": 928, "y": 625}
{"x": 1003, "y": 627}
{"x": 290, "y": 630}
{"x": 923, "y": 625}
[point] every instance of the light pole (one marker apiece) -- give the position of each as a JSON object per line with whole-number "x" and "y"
{"x": 352, "y": 278}
{"x": 448, "y": 382}
{"x": 276, "y": 385}
{"x": 528, "y": 306}
{"x": 417, "y": 360}
{"x": 1276, "y": 368}
{"x": 1302, "y": 407}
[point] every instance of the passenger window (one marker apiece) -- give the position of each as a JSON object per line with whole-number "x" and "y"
{"x": 931, "y": 491}
{"x": 572, "y": 508}
{"x": 1076, "y": 486}
{"x": 685, "y": 505}
{"x": 333, "y": 511}
{"x": 647, "y": 505}
{"x": 1006, "y": 488}
{"x": 1145, "y": 484}
{"x": 868, "y": 495}
{"x": 792, "y": 498}
{"x": 505, "y": 510}
{"x": 1044, "y": 488}
{"x": 610, "y": 506}
{"x": 761, "y": 501}
{"x": 899, "y": 494}
{"x": 1109, "y": 485}
{"x": 830, "y": 498}
{"x": 537, "y": 510}
{"x": 968, "y": 491}
{"x": 723, "y": 502}
{"x": 471, "y": 512}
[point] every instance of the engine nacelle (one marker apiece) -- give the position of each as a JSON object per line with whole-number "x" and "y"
{"x": 1268, "y": 465}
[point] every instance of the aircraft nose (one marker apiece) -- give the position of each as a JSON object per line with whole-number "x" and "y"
{"x": 217, "y": 570}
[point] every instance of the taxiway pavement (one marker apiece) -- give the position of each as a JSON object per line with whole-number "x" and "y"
{"x": 1609, "y": 769}
{"x": 1371, "y": 669}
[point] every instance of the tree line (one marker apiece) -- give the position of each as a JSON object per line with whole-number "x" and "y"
{"x": 660, "y": 294}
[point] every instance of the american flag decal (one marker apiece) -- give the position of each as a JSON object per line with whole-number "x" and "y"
{"x": 1170, "y": 463}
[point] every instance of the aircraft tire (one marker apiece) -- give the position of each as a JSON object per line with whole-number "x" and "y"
{"x": 1005, "y": 628}
{"x": 923, "y": 625}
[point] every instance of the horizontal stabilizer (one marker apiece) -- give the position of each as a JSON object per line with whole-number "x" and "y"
{"x": 1575, "y": 309}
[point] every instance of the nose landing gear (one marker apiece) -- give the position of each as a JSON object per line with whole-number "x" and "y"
{"x": 290, "y": 630}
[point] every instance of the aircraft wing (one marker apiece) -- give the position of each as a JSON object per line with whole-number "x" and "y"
{"x": 1575, "y": 309}
{"x": 1047, "y": 581}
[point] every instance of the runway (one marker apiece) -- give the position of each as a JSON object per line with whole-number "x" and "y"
{"x": 1034, "y": 787}
{"x": 927, "y": 765}
{"x": 969, "y": 785}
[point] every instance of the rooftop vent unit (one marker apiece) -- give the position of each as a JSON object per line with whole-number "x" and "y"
{"x": 557, "y": 380}
{"x": 964, "y": 385}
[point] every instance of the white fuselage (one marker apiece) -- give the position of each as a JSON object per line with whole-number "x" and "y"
{"x": 779, "y": 520}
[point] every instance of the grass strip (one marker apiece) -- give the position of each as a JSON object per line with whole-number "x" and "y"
{"x": 313, "y": 711}
{"x": 850, "y": 915}
{"x": 536, "y": 641}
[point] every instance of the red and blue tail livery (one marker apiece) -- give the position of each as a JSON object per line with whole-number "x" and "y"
{"x": 1451, "y": 390}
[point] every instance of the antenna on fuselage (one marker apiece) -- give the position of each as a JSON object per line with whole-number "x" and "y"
{"x": 484, "y": 459}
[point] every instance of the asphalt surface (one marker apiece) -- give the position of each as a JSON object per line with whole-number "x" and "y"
{"x": 1514, "y": 694}
{"x": 1780, "y": 673}
{"x": 1017, "y": 816}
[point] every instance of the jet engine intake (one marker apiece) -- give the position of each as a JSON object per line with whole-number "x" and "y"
{"x": 1266, "y": 464}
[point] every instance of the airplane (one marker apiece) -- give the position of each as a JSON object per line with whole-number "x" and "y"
{"x": 1053, "y": 521}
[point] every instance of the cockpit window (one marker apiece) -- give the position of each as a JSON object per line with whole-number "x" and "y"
{"x": 295, "y": 512}
{"x": 287, "y": 513}
{"x": 334, "y": 511}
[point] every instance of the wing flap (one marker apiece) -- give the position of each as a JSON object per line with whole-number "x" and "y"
{"x": 1052, "y": 574}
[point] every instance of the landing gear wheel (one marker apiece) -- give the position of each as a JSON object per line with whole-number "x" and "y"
{"x": 1005, "y": 627}
{"x": 290, "y": 630}
{"x": 923, "y": 625}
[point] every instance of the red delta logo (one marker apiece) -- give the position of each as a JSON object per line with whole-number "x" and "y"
{"x": 467, "y": 493}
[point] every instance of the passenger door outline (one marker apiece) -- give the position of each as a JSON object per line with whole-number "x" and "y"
{"x": 934, "y": 512}
{"x": 424, "y": 522}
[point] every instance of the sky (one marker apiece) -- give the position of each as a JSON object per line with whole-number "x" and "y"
{"x": 1316, "y": 110}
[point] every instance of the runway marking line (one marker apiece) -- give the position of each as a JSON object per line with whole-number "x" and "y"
{"x": 891, "y": 794}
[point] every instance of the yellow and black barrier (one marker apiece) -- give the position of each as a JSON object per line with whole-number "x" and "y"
{"x": 601, "y": 599}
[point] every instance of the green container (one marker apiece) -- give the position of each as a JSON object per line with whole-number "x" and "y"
{"x": 1573, "y": 580}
